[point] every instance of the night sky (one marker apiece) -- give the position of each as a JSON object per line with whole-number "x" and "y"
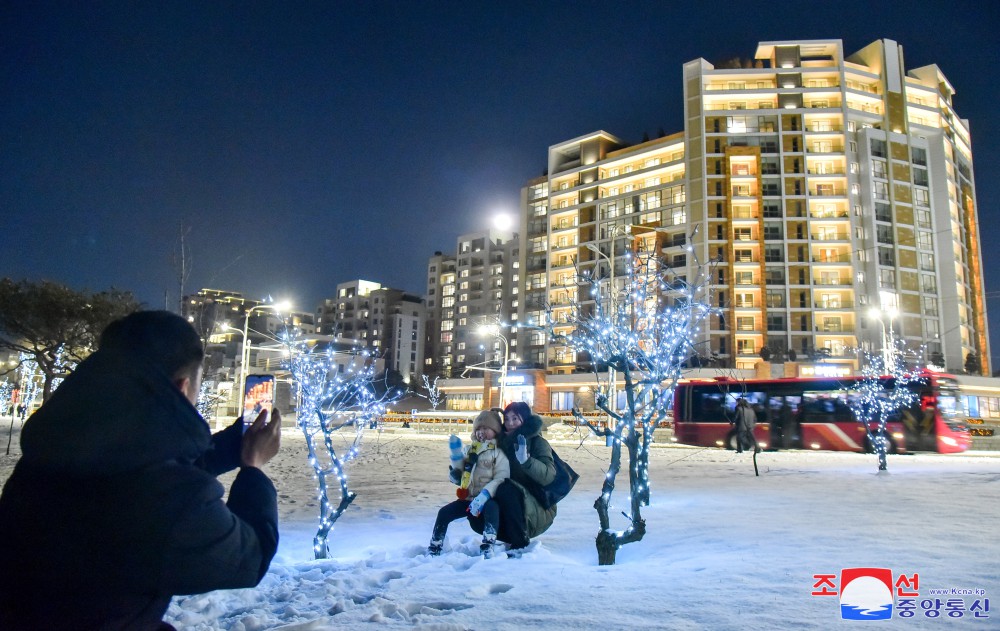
{"x": 304, "y": 144}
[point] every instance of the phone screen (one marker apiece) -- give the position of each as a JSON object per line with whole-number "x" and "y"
{"x": 258, "y": 395}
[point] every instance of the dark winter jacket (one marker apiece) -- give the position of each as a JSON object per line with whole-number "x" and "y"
{"x": 114, "y": 507}
{"x": 539, "y": 470}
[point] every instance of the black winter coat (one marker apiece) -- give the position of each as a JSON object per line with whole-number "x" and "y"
{"x": 114, "y": 507}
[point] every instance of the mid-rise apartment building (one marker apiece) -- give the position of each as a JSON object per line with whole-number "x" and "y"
{"x": 834, "y": 192}
{"x": 387, "y": 321}
{"x": 477, "y": 286}
{"x": 219, "y": 317}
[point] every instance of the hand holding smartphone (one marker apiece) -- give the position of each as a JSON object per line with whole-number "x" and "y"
{"x": 258, "y": 396}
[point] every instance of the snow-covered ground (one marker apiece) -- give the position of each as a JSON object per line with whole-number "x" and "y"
{"x": 723, "y": 550}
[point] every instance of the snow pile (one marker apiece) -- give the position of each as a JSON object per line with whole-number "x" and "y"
{"x": 724, "y": 549}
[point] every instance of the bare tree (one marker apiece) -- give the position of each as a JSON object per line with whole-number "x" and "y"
{"x": 645, "y": 333}
{"x": 55, "y": 326}
{"x": 337, "y": 402}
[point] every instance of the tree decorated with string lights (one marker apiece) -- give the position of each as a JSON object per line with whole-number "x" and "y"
{"x": 209, "y": 399}
{"x": 434, "y": 394}
{"x": 645, "y": 333}
{"x": 885, "y": 389}
{"x": 29, "y": 379}
{"x": 337, "y": 400}
{"x": 6, "y": 391}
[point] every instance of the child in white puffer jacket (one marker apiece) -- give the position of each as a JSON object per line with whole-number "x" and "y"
{"x": 477, "y": 471}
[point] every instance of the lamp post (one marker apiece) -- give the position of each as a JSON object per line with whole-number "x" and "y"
{"x": 494, "y": 330}
{"x": 245, "y": 355}
{"x": 888, "y": 338}
{"x": 613, "y": 232}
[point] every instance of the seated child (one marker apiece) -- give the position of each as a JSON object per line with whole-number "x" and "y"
{"x": 477, "y": 472}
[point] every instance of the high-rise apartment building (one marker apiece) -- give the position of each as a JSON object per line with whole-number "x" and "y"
{"x": 475, "y": 287}
{"x": 387, "y": 321}
{"x": 836, "y": 194}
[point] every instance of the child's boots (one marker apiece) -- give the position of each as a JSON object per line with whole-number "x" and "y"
{"x": 486, "y": 547}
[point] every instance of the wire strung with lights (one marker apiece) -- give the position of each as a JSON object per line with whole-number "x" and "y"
{"x": 882, "y": 392}
{"x": 643, "y": 330}
{"x": 337, "y": 397}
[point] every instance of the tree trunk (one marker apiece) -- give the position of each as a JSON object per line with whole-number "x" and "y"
{"x": 607, "y": 546}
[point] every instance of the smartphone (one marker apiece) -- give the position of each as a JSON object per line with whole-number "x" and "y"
{"x": 258, "y": 395}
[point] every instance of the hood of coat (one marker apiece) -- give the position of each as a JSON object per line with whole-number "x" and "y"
{"x": 115, "y": 413}
{"x": 531, "y": 427}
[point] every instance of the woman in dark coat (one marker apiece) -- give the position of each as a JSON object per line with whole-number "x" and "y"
{"x": 531, "y": 467}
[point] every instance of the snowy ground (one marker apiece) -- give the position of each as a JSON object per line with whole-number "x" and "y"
{"x": 724, "y": 549}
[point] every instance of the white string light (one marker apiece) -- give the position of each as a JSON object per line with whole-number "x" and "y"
{"x": 646, "y": 339}
{"x": 336, "y": 393}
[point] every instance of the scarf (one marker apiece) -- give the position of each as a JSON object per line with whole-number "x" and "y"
{"x": 470, "y": 463}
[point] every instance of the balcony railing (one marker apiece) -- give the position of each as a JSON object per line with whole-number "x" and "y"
{"x": 832, "y": 282}
{"x": 830, "y": 214}
{"x": 834, "y": 328}
{"x": 825, "y": 149}
{"x": 830, "y": 236}
{"x": 834, "y": 304}
{"x": 839, "y": 258}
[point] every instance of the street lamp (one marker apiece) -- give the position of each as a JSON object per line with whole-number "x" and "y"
{"x": 888, "y": 340}
{"x": 625, "y": 229}
{"x": 494, "y": 330}
{"x": 245, "y": 355}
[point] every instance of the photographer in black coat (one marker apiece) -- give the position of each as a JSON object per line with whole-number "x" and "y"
{"x": 114, "y": 507}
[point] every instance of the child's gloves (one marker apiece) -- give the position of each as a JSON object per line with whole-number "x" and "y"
{"x": 521, "y": 453}
{"x": 455, "y": 446}
{"x": 476, "y": 506}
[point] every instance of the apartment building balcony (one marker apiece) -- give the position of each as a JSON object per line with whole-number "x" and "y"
{"x": 830, "y": 236}
{"x": 833, "y": 328}
{"x": 831, "y": 191}
{"x": 821, "y": 128}
{"x": 832, "y": 258}
{"x": 827, "y": 171}
{"x": 832, "y": 282}
{"x": 820, "y": 148}
{"x": 829, "y": 214}
{"x": 537, "y": 227}
{"x": 833, "y": 305}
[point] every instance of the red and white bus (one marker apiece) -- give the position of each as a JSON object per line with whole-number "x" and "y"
{"x": 815, "y": 413}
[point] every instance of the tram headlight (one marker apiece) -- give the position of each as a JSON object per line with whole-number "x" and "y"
{"x": 948, "y": 440}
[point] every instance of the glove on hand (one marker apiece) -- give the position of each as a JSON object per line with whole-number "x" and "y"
{"x": 476, "y": 506}
{"x": 521, "y": 453}
{"x": 455, "y": 445}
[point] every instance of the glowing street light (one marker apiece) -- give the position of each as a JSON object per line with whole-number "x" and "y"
{"x": 494, "y": 330}
{"x": 888, "y": 339}
{"x": 245, "y": 355}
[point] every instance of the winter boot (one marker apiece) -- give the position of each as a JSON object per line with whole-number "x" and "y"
{"x": 486, "y": 547}
{"x": 437, "y": 545}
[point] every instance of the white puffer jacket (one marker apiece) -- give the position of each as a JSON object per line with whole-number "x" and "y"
{"x": 491, "y": 468}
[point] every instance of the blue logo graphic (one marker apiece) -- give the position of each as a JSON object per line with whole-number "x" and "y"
{"x": 866, "y": 594}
